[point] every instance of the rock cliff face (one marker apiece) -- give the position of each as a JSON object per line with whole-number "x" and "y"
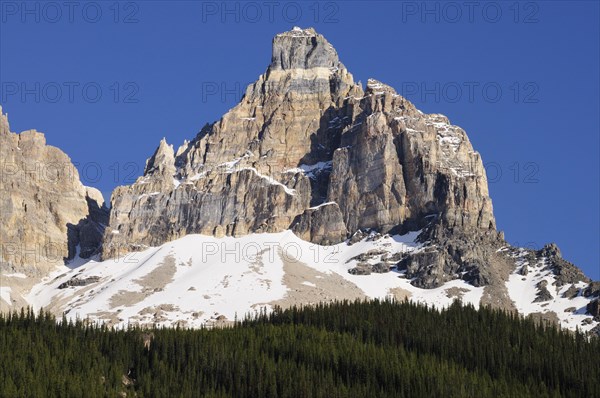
{"x": 308, "y": 155}
{"x": 307, "y": 149}
{"x": 46, "y": 215}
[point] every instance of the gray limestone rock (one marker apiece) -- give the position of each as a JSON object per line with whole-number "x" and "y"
{"x": 45, "y": 211}
{"x": 306, "y": 149}
{"x": 471, "y": 255}
{"x": 46, "y": 216}
{"x": 524, "y": 270}
{"x": 571, "y": 292}
{"x": 369, "y": 255}
{"x": 593, "y": 289}
{"x": 310, "y": 150}
{"x": 322, "y": 224}
{"x": 79, "y": 282}
{"x": 593, "y": 308}
{"x": 543, "y": 294}
{"x": 302, "y": 49}
{"x": 565, "y": 271}
{"x": 357, "y": 237}
{"x": 305, "y": 133}
{"x": 361, "y": 269}
{"x": 367, "y": 269}
{"x": 380, "y": 268}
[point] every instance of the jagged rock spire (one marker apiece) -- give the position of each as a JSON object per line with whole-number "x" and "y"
{"x": 163, "y": 160}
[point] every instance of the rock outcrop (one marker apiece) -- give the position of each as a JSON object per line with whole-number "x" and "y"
{"x": 79, "y": 282}
{"x": 566, "y": 272}
{"x": 46, "y": 215}
{"x": 322, "y": 224}
{"x": 307, "y": 149}
{"x": 543, "y": 294}
{"x": 310, "y": 150}
{"x": 457, "y": 253}
{"x": 593, "y": 308}
{"x": 593, "y": 289}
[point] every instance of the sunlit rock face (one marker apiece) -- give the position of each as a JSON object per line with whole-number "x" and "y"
{"x": 308, "y": 159}
{"x": 303, "y": 135}
{"x": 47, "y": 216}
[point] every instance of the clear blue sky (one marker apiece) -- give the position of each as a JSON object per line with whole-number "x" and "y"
{"x": 167, "y": 68}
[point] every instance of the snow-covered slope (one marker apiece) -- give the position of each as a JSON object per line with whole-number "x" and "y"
{"x": 525, "y": 290}
{"x": 202, "y": 280}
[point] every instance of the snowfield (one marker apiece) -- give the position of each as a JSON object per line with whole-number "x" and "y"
{"x": 205, "y": 281}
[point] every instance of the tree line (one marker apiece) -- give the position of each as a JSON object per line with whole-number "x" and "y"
{"x": 344, "y": 349}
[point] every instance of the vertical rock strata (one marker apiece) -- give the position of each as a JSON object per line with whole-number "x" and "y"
{"x": 307, "y": 149}
{"x": 47, "y": 215}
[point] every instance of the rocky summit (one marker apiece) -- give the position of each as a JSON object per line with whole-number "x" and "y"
{"x": 310, "y": 150}
{"x": 380, "y": 199}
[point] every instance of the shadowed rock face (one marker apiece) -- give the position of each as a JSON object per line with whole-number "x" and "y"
{"x": 457, "y": 253}
{"x": 304, "y": 134}
{"x": 85, "y": 237}
{"x": 45, "y": 210}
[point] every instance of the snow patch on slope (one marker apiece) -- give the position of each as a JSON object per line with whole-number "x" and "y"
{"x": 202, "y": 280}
{"x": 5, "y": 294}
{"x": 523, "y": 291}
{"x": 210, "y": 278}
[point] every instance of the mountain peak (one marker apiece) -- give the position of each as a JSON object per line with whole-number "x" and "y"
{"x": 297, "y": 31}
{"x": 302, "y": 49}
{"x": 307, "y": 158}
